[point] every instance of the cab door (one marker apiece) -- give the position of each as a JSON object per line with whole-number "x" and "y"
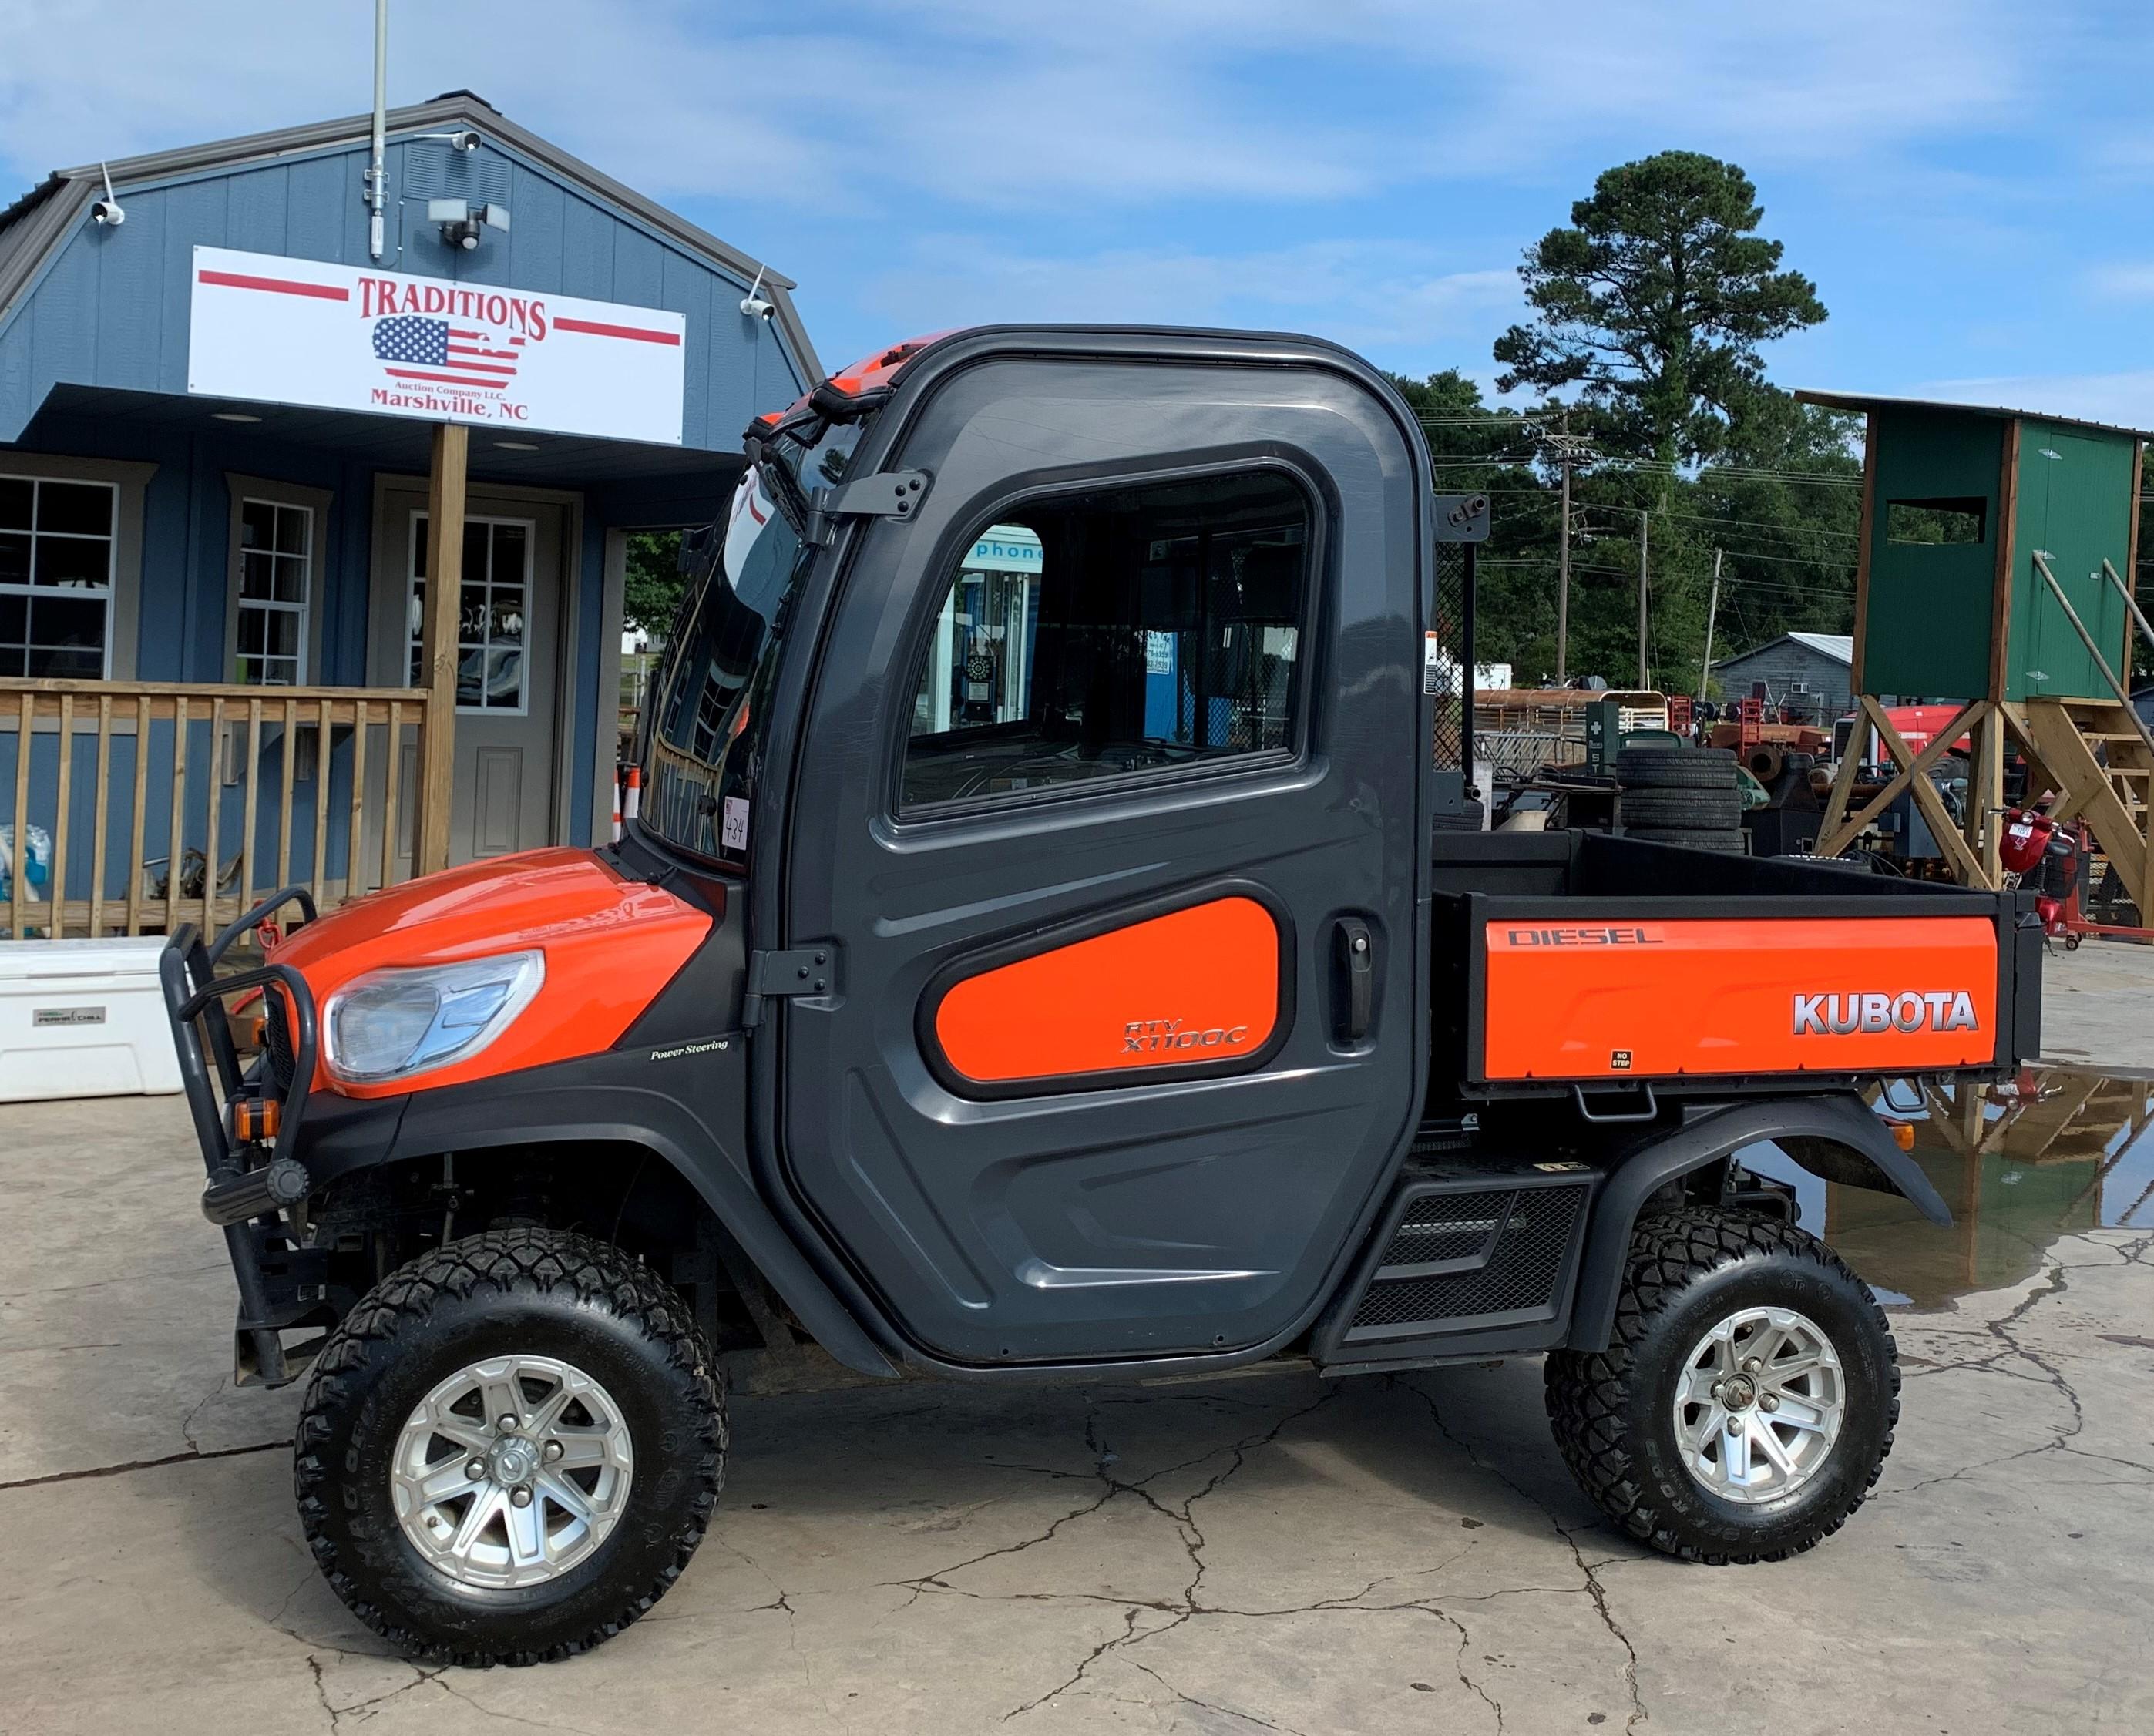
{"x": 1107, "y": 808}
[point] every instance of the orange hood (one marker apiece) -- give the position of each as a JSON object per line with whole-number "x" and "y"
{"x": 610, "y": 944}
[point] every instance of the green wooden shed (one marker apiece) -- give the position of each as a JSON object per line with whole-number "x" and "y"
{"x": 1992, "y": 570}
{"x": 1957, "y": 501}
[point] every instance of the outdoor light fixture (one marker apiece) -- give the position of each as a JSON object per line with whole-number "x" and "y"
{"x": 233, "y": 416}
{"x": 517, "y": 446}
{"x": 462, "y": 223}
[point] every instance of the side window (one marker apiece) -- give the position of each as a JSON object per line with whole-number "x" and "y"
{"x": 56, "y": 564}
{"x": 276, "y": 586}
{"x": 1131, "y": 630}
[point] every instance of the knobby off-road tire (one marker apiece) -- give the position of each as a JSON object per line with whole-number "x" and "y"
{"x": 584, "y": 1335}
{"x": 1615, "y": 1412}
{"x": 1675, "y": 768}
{"x": 1697, "y": 810}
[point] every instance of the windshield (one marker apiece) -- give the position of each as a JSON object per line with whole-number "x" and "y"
{"x": 703, "y": 723}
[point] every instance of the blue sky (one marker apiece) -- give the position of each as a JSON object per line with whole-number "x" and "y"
{"x": 1970, "y": 182}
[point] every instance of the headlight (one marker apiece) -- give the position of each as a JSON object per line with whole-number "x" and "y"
{"x": 387, "y": 1024}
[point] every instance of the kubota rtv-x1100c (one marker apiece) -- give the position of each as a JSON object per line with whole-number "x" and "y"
{"x": 1038, "y": 957}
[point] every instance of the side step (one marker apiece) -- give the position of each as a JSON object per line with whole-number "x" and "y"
{"x": 1471, "y": 1258}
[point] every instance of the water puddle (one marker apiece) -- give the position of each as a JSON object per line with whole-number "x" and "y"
{"x": 2021, "y": 1164}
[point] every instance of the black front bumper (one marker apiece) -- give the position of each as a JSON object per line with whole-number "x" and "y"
{"x": 256, "y": 1176}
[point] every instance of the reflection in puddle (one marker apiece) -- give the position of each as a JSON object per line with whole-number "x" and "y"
{"x": 2021, "y": 1164}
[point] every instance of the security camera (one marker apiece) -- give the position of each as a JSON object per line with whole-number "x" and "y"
{"x": 752, "y": 303}
{"x": 464, "y": 140}
{"x": 107, "y": 210}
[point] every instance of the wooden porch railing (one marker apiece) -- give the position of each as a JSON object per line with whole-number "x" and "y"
{"x": 167, "y": 802}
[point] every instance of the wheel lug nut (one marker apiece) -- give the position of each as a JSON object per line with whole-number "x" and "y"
{"x": 554, "y": 1449}
{"x": 1751, "y": 1365}
{"x": 1735, "y": 1425}
{"x": 1716, "y": 1389}
{"x": 519, "y": 1497}
{"x": 476, "y": 1470}
{"x": 508, "y": 1425}
{"x": 1770, "y": 1401}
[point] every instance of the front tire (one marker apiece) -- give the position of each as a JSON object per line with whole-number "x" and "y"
{"x": 1746, "y": 1402}
{"x": 509, "y": 1449}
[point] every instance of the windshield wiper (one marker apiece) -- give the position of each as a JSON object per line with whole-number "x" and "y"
{"x": 779, "y": 481}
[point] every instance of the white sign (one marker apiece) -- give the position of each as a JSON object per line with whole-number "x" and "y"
{"x": 342, "y": 337}
{"x": 1008, "y": 548}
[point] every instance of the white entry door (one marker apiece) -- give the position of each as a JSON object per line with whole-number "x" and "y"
{"x": 509, "y": 656}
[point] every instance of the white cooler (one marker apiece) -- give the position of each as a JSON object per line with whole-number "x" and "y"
{"x": 82, "y": 1018}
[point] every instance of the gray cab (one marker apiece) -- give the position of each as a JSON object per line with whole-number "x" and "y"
{"x": 1146, "y": 643}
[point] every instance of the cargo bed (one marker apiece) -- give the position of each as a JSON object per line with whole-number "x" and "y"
{"x": 1573, "y": 961}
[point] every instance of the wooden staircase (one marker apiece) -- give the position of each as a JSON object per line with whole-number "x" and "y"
{"x": 2098, "y": 756}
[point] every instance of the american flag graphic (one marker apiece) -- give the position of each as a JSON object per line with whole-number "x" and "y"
{"x": 413, "y": 347}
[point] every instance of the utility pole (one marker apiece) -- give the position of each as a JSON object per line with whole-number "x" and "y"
{"x": 1563, "y": 564}
{"x": 1712, "y": 614}
{"x": 1645, "y": 522}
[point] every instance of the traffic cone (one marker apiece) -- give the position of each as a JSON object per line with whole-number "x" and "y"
{"x": 633, "y": 805}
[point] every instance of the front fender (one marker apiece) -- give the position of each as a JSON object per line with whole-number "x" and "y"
{"x": 1835, "y": 1135}
{"x": 683, "y": 1101}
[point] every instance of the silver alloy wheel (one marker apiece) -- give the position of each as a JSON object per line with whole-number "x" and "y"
{"x": 512, "y": 1471}
{"x": 1758, "y": 1404}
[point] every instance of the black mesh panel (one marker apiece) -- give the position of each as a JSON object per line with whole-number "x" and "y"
{"x": 1521, "y": 1274}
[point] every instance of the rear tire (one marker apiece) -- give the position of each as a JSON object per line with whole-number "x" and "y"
{"x": 1644, "y": 1425}
{"x": 471, "y": 1538}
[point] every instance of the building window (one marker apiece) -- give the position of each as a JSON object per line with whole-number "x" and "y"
{"x": 490, "y": 620}
{"x": 1125, "y": 632}
{"x": 276, "y": 589}
{"x": 56, "y": 567}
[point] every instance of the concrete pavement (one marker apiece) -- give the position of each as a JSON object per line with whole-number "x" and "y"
{"x": 1271, "y": 1552}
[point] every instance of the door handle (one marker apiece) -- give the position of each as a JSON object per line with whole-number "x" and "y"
{"x": 1353, "y": 961}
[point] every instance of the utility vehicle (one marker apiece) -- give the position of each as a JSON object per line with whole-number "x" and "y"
{"x": 1041, "y": 956}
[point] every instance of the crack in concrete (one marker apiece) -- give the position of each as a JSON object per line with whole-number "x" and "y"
{"x": 2055, "y": 1282}
{"x": 485, "y": 1711}
{"x": 193, "y": 1456}
{"x": 1589, "y": 1572}
{"x": 1185, "y": 1697}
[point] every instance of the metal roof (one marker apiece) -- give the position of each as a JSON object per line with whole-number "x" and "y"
{"x": 1865, "y": 402}
{"x": 1839, "y": 647}
{"x": 36, "y": 223}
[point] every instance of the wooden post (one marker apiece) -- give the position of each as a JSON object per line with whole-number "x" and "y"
{"x": 437, "y": 645}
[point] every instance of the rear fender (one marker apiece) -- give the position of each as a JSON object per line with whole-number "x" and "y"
{"x": 1835, "y": 1137}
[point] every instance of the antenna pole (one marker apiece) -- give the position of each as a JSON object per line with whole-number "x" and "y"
{"x": 376, "y": 189}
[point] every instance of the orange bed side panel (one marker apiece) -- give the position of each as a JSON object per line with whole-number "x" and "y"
{"x": 1198, "y": 985}
{"x": 1867, "y": 995}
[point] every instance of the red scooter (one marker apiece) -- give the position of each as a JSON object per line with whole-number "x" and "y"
{"x": 2046, "y": 856}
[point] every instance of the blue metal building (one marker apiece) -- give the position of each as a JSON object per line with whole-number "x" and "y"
{"x": 238, "y": 566}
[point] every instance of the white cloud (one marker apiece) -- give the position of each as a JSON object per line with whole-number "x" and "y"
{"x": 993, "y": 103}
{"x": 1393, "y": 297}
{"x": 2124, "y": 399}
{"x": 2123, "y": 281}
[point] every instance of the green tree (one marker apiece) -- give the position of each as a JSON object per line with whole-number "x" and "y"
{"x": 650, "y": 591}
{"x": 1652, "y": 304}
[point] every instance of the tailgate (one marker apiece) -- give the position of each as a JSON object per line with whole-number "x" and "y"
{"x": 1564, "y": 990}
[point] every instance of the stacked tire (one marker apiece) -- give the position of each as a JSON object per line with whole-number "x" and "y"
{"x": 1681, "y": 795}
